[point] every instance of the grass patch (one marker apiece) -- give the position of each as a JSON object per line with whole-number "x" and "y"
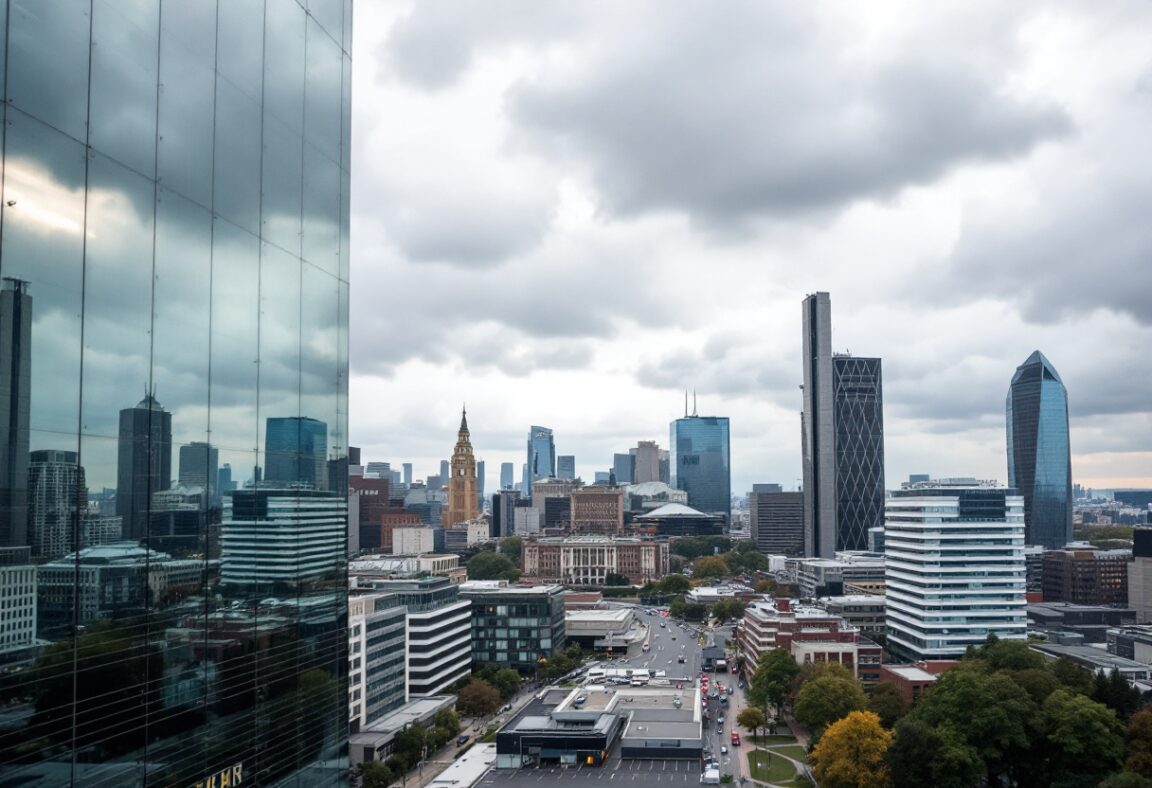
{"x": 779, "y": 738}
{"x": 794, "y": 751}
{"x": 769, "y": 769}
{"x": 489, "y": 735}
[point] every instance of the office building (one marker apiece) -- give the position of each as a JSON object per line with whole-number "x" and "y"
{"x": 597, "y": 510}
{"x": 1062, "y": 622}
{"x": 144, "y": 462}
{"x": 178, "y": 521}
{"x": 842, "y": 439}
{"x": 414, "y": 541}
{"x": 480, "y": 471}
{"x": 445, "y": 471}
{"x": 463, "y": 494}
{"x": 646, "y": 462}
{"x": 296, "y": 453}
{"x": 1140, "y": 575}
{"x": 541, "y": 457}
{"x": 17, "y": 601}
{"x": 407, "y": 473}
{"x": 506, "y": 480}
{"x": 57, "y": 498}
{"x": 377, "y": 664}
{"x": 1039, "y": 456}
{"x": 588, "y": 560}
{"x": 503, "y": 522}
{"x": 954, "y": 550}
{"x": 282, "y": 539}
{"x": 847, "y": 573}
{"x": 515, "y": 626}
{"x": 372, "y": 503}
{"x": 565, "y": 467}
{"x": 177, "y": 206}
{"x": 199, "y": 467}
{"x": 622, "y": 467}
{"x": 1084, "y": 575}
{"x": 15, "y": 408}
{"x": 777, "y": 522}
{"x": 224, "y": 482}
{"x": 438, "y": 624}
{"x": 701, "y": 462}
{"x": 378, "y": 470}
{"x": 1139, "y": 499}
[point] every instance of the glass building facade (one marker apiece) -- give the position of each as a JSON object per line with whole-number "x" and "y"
{"x": 701, "y": 463}
{"x": 174, "y": 254}
{"x": 541, "y": 457}
{"x": 858, "y": 415}
{"x": 1039, "y": 456}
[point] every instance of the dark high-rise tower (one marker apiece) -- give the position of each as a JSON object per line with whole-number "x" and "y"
{"x": 15, "y": 398}
{"x": 1039, "y": 455}
{"x": 842, "y": 441}
{"x": 57, "y": 499}
{"x": 199, "y": 467}
{"x": 144, "y": 463}
{"x": 541, "y": 457}
{"x": 701, "y": 462}
{"x": 296, "y": 452}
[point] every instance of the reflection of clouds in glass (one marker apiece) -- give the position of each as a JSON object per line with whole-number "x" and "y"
{"x": 51, "y": 207}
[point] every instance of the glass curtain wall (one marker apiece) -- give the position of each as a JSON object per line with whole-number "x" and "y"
{"x": 174, "y": 254}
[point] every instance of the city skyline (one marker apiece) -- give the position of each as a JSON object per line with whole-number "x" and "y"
{"x": 583, "y": 280}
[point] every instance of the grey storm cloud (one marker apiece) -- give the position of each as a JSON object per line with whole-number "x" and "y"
{"x": 764, "y": 110}
{"x": 726, "y": 364}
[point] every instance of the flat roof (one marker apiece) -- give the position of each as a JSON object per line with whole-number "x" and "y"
{"x": 910, "y": 672}
{"x": 495, "y": 588}
{"x": 1093, "y": 655}
{"x": 620, "y": 614}
{"x": 468, "y": 768}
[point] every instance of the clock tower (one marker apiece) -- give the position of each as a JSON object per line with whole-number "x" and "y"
{"x": 462, "y": 486}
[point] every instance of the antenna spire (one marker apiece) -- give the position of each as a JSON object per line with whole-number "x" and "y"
{"x": 685, "y": 403}
{"x": 693, "y": 402}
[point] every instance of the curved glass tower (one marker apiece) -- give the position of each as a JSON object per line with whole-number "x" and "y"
{"x": 1039, "y": 458}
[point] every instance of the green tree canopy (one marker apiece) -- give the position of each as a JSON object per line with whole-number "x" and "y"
{"x": 773, "y": 678}
{"x": 1085, "y": 737}
{"x": 616, "y": 579}
{"x": 852, "y": 753}
{"x": 886, "y": 702}
{"x": 692, "y": 547}
{"x": 478, "y": 698}
{"x": 1072, "y": 676}
{"x": 507, "y": 683}
{"x": 674, "y": 584}
{"x": 925, "y": 754}
{"x": 491, "y": 566}
{"x": 709, "y": 566}
{"x": 826, "y": 699}
{"x": 752, "y": 719}
{"x": 1139, "y": 737}
{"x": 727, "y": 609}
{"x": 510, "y": 548}
{"x": 374, "y": 774}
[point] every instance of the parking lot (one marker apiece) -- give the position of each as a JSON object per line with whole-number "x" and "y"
{"x": 629, "y": 772}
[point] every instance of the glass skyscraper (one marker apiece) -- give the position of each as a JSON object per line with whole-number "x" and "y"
{"x": 701, "y": 462}
{"x": 541, "y": 457}
{"x": 1039, "y": 456}
{"x": 842, "y": 439}
{"x": 174, "y": 230}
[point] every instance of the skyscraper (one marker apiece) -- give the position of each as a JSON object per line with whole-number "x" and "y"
{"x": 646, "y": 462}
{"x": 57, "y": 499}
{"x": 463, "y": 496}
{"x": 144, "y": 463}
{"x": 622, "y": 467}
{"x": 541, "y": 456}
{"x": 1039, "y": 455}
{"x": 566, "y": 466}
{"x": 178, "y": 207}
{"x": 15, "y": 403}
{"x": 777, "y": 521}
{"x": 296, "y": 452}
{"x": 199, "y": 467}
{"x": 507, "y": 480}
{"x": 842, "y": 439}
{"x": 445, "y": 468}
{"x": 407, "y": 473}
{"x": 480, "y": 473}
{"x": 701, "y": 463}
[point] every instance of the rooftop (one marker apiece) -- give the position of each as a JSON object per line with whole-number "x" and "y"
{"x": 468, "y": 768}
{"x": 606, "y": 616}
{"x": 675, "y": 510}
{"x": 495, "y": 587}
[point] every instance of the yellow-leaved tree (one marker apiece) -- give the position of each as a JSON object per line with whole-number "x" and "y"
{"x": 852, "y": 753}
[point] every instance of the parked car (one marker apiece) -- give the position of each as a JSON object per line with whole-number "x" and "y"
{"x": 462, "y": 739}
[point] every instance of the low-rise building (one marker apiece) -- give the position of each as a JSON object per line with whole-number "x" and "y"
{"x": 863, "y": 571}
{"x": 598, "y": 510}
{"x": 1074, "y": 624}
{"x": 780, "y": 623}
{"x": 414, "y": 541}
{"x": 399, "y": 567}
{"x": 17, "y": 600}
{"x": 912, "y": 681}
{"x": 1084, "y": 575}
{"x": 588, "y": 560}
{"x": 376, "y": 741}
{"x": 1131, "y": 642}
{"x": 675, "y": 519}
{"x": 614, "y": 630}
{"x": 863, "y": 611}
{"x": 515, "y": 626}
{"x": 1096, "y": 660}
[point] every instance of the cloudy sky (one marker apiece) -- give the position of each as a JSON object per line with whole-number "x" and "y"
{"x": 566, "y": 213}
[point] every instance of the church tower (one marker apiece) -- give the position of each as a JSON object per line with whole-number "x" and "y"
{"x": 463, "y": 497}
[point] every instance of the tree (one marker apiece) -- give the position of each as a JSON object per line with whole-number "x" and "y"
{"x": 752, "y": 718}
{"x": 692, "y": 547}
{"x": 674, "y": 584}
{"x": 852, "y": 753}
{"x": 765, "y": 587}
{"x": 1126, "y": 780}
{"x": 773, "y": 677}
{"x": 1116, "y": 693}
{"x": 491, "y": 566}
{"x": 616, "y": 579}
{"x": 826, "y": 699}
{"x": 510, "y": 548}
{"x": 1085, "y": 737}
{"x": 478, "y": 698}
{"x": 507, "y": 683}
{"x": 886, "y": 702}
{"x": 937, "y": 755}
{"x": 710, "y": 566}
{"x": 449, "y": 720}
{"x": 1072, "y": 676}
{"x": 1008, "y": 655}
{"x": 1037, "y": 682}
{"x": 728, "y": 608}
{"x": 374, "y": 774}
{"x": 1139, "y": 737}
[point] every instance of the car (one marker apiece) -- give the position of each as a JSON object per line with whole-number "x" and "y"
{"x": 680, "y": 659}
{"x": 580, "y": 701}
{"x": 720, "y": 719}
{"x": 723, "y": 749}
{"x": 462, "y": 739}
{"x": 735, "y": 739}
{"x": 506, "y": 707}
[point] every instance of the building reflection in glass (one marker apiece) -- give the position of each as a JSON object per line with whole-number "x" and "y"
{"x": 174, "y": 255}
